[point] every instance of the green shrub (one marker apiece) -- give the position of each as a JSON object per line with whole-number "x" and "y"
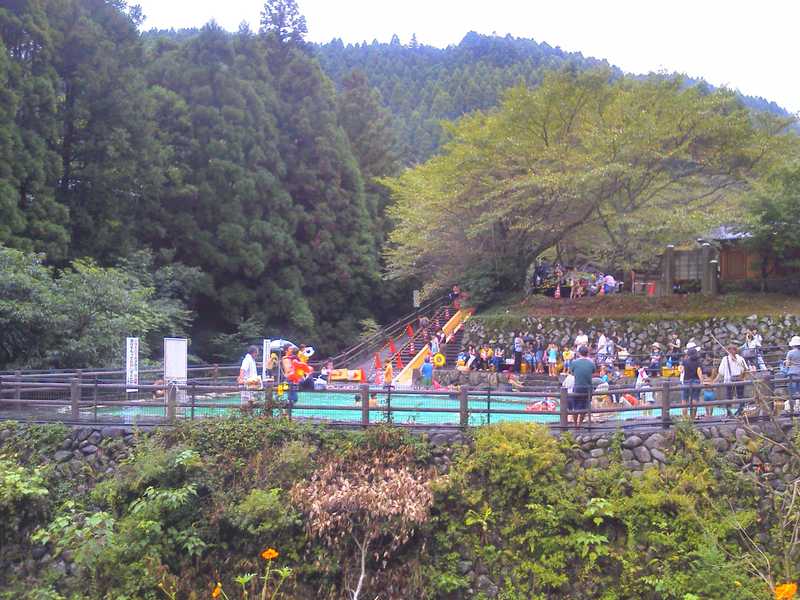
{"x": 22, "y": 498}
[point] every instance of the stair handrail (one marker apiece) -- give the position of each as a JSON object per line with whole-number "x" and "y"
{"x": 386, "y": 331}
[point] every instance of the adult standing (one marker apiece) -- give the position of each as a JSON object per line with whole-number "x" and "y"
{"x": 581, "y": 339}
{"x": 248, "y": 371}
{"x": 582, "y": 370}
{"x": 752, "y": 349}
{"x": 602, "y": 346}
{"x": 691, "y": 376}
{"x": 519, "y": 346}
{"x": 792, "y": 365}
{"x": 731, "y": 370}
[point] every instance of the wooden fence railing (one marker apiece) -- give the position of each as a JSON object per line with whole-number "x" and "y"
{"x": 81, "y": 401}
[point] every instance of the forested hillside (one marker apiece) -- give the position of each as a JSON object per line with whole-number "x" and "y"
{"x": 217, "y": 151}
{"x": 423, "y": 85}
{"x": 239, "y": 178}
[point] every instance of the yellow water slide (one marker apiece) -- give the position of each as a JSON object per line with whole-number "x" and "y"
{"x": 405, "y": 377}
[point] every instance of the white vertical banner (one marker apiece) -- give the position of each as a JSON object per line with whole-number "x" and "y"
{"x": 264, "y": 358}
{"x": 176, "y": 354}
{"x": 415, "y": 297}
{"x": 132, "y": 364}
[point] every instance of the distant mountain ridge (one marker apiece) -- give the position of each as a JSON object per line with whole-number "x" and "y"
{"x": 422, "y": 85}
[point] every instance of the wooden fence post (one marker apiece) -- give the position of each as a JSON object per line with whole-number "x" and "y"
{"x": 463, "y": 406}
{"x": 269, "y": 400}
{"x": 563, "y": 406}
{"x": 75, "y": 398}
{"x": 172, "y": 403}
{"x": 666, "y": 418}
{"x": 365, "y": 405}
{"x": 18, "y": 390}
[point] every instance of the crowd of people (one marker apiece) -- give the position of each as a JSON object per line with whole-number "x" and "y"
{"x": 603, "y": 361}
{"x": 560, "y": 281}
{"x": 292, "y": 368}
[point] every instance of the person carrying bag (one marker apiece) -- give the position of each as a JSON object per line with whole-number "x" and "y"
{"x": 732, "y": 370}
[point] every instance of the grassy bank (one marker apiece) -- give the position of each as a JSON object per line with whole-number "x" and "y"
{"x": 691, "y": 306}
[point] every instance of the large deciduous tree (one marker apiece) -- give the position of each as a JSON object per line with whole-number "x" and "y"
{"x": 612, "y": 168}
{"x": 774, "y": 220}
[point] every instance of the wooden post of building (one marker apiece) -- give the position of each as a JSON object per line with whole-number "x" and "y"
{"x": 705, "y": 261}
{"x": 463, "y": 405}
{"x": 666, "y": 418}
{"x": 75, "y": 398}
{"x": 668, "y": 270}
{"x": 713, "y": 274}
{"x": 365, "y": 405}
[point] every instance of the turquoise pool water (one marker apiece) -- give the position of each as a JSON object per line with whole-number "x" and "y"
{"x": 320, "y": 406}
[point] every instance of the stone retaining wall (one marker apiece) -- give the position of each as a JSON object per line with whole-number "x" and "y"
{"x": 638, "y": 450}
{"x": 639, "y": 334}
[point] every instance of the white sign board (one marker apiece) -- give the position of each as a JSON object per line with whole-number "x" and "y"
{"x": 416, "y": 297}
{"x": 176, "y": 352}
{"x": 264, "y": 358}
{"x": 132, "y": 363}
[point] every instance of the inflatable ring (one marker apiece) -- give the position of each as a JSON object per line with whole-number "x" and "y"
{"x": 438, "y": 360}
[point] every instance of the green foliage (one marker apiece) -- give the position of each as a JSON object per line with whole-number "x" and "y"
{"x": 22, "y": 494}
{"x": 76, "y": 317}
{"x": 220, "y": 155}
{"x": 774, "y": 214}
{"x": 197, "y": 505}
{"x": 423, "y": 85}
{"x": 510, "y": 510}
{"x": 604, "y": 168}
{"x": 264, "y": 514}
{"x": 512, "y": 456}
{"x": 31, "y": 443}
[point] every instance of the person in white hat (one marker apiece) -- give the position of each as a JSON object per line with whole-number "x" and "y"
{"x": 655, "y": 360}
{"x": 792, "y": 365}
{"x": 731, "y": 370}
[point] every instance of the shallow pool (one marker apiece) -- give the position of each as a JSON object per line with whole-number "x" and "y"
{"x": 342, "y": 407}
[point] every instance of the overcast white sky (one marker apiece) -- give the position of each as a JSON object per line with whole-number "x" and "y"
{"x": 746, "y": 45}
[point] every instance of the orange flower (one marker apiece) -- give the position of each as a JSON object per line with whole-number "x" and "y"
{"x": 269, "y": 554}
{"x": 217, "y": 590}
{"x": 785, "y": 591}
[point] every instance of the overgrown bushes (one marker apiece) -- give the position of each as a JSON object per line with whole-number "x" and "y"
{"x": 512, "y": 518}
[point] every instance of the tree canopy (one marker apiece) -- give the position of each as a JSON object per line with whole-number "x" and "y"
{"x": 606, "y": 168}
{"x": 216, "y": 151}
{"x": 423, "y": 85}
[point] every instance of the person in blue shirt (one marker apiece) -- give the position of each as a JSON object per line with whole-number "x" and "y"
{"x": 426, "y": 371}
{"x": 582, "y": 369}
